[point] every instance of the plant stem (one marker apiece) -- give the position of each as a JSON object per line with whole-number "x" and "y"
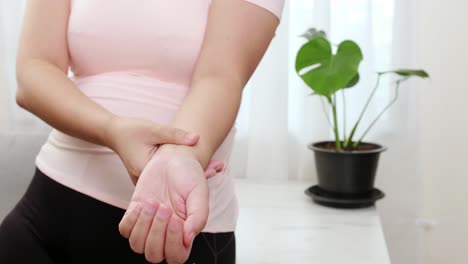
{"x": 344, "y": 113}
{"x": 335, "y": 125}
{"x": 353, "y": 131}
{"x": 395, "y": 98}
{"x": 325, "y": 112}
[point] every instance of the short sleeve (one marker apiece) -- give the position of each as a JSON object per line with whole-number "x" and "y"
{"x": 274, "y": 6}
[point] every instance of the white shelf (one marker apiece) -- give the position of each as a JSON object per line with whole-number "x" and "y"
{"x": 278, "y": 223}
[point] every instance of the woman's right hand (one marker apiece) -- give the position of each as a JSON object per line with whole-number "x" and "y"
{"x": 173, "y": 195}
{"x": 136, "y": 141}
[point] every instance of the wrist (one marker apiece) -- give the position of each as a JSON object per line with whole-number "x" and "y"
{"x": 108, "y": 131}
{"x": 177, "y": 149}
{"x": 187, "y": 151}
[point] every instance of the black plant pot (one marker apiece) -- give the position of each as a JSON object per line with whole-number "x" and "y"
{"x": 346, "y": 176}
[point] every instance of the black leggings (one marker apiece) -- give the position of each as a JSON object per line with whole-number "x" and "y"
{"x": 55, "y": 224}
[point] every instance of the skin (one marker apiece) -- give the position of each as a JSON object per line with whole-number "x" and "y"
{"x": 164, "y": 217}
{"x": 162, "y": 222}
{"x": 45, "y": 90}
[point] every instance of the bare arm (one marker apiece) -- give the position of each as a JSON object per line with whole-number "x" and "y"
{"x": 45, "y": 90}
{"x": 42, "y": 65}
{"x": 237, "y": 36}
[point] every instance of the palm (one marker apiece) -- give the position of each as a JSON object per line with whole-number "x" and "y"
{"x": 170, "y": 179}
{"x": 169, "y": 206}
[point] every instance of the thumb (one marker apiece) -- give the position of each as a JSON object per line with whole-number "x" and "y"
{"x": 197, "y": 213}
{"x": 170, "y": 135}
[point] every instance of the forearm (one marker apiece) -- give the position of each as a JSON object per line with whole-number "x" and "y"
{"x": 48, "y": 93}
{"x": 210, "y": 110}
{"x": 236, "y": 38}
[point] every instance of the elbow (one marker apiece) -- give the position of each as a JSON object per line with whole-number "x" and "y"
{"x": 21, "y": 98}
{"x": 26, "y": 69}
{"x": 21, "y": 91}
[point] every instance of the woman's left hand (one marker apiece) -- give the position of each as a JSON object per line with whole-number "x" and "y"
{"x": 169, "y": 206}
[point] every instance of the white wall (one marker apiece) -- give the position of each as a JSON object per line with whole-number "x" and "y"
{"x": 4, "y": 100}
{"x": 441, "y": 46}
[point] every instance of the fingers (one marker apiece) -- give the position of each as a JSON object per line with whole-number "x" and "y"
{"x": 175, "y": 250}
{"x": 154, "y": 249}
{"x": 129, "y": 219}
{"x": 209, "y": 173}
{"x": 140, "y": 230}
{"x": 197, "y": 213}
{"x": 170, "y": 135}
{"x": 214, "y": 167}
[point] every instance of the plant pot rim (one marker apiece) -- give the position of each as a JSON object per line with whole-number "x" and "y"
{"x": 315, "y": 147}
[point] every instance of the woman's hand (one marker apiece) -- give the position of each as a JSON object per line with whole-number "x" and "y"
{"x": 136, "y": 141}
{"x": 169, "y": 206}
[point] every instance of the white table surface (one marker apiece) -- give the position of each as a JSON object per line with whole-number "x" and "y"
{"x": 278, "y": 223}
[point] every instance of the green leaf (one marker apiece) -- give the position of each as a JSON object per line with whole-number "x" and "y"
{"x": 313, "y": 52}
{"x": 408, "y": 73}
{"x": 313, "y": 33}
{"x": 324, "y": 72}
{"x": 353, "y": 81}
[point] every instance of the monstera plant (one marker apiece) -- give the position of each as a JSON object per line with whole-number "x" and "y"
{"x": 326, "y": 73}
{"x": 346, "y": 166}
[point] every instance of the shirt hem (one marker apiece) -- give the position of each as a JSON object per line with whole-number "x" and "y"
{"x": 57, "y": 176}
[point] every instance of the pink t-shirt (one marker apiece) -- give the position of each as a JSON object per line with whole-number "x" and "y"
{"x": 136, "y": 59}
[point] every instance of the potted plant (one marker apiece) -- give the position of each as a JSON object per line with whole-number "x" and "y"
{"x": 346, "y": 166}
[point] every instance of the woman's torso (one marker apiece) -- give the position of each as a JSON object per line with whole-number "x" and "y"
{"x": 136, "y": 59}
{"x": 158, "y": 38}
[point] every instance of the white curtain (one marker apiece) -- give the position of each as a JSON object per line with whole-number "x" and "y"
{"x": 12, "y": 118}
{"x": 278, "y": 118}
